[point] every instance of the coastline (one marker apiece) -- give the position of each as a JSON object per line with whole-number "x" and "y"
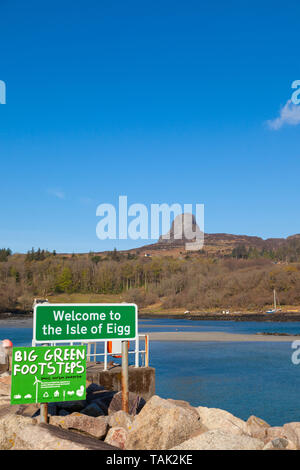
{"x": 258, "y": 317}
{"x": 217, "y": 336}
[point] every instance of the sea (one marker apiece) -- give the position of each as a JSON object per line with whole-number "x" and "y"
{"x": 244, "y": 378}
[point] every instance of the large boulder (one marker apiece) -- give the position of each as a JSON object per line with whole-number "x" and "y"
{"x": 292, "y": 432}
{"x": 96, "y": 427}
{"x": 275, "y": 431}
{"x": 121, "y": 419}
{"x": 162, "y": 424}
{"x": 71, "y": 406}
{"x": 5, "y": 385}
{"x": 93, "y": 409}
{"x": 135, "y": 403}
{"x": 117, "y": 437}
{"x": 257, "y": 427}
{"x": 11, "y": 424}
{"x": 215, "y": 418}
{"x": 220, "y": 440}
{"x": 48, "y": 437}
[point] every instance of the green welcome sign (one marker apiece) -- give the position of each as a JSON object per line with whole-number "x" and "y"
{"x": 48, "y": 374}
{"x": 84, "y": 322}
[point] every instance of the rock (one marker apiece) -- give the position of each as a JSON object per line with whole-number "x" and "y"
{"x": 32, "y": 410}
{"x": 135, "y": 403}
{"x": 96, "y": 427}
{"x": 117, "y": 436}
{"x": 280, "y": 443}
{"x": 120, "y": 419}
{"x": 161, "y": 425}
{"x": 257, "y": 427}
{"x": 184, "y": 404}
{"x": 103, "y": 398}
{"x": 220, "y": 440}
{"x": 48, "y": 437}
{"x": 292, "y": 432}
{"x": 71, "y": 406}
{"x": 274, "y": 432}
{"x": 215, "y": 418}
{"x": 92, "y": 388}
{"x": 5, "y": 384}
{"x": 10, "y": 425}
{"x": 93, "y": 410}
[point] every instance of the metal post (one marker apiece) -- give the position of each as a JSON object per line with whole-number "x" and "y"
{"x": 146, "y": 351}
{"x": 44, "y": 413}
{"x": 125, "y": 392}
{"x": 95, "y": 351}
{"x": 105, "y": 355}
{"x": 89, "y": 352}
{"x": 44, "y": 409}
{"x": 137, "y": 347}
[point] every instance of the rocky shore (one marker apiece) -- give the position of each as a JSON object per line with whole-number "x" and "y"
{"x": 158, "y": 424}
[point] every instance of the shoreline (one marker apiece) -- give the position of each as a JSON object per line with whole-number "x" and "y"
{"x": 216, "y": 336}
{"x": 251, "y": 317}
{"x": 258, "y": 317}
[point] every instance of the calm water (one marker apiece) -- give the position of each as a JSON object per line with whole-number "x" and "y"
{"x": 243, "y": 378}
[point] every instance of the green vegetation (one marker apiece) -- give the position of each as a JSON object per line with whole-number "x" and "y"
{"x": 243, "y": 280}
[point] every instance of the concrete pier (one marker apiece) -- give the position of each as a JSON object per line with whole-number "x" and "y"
{"x": 141, "y": 379}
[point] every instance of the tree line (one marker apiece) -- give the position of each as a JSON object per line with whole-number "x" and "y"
{"x": 191, "y": 282}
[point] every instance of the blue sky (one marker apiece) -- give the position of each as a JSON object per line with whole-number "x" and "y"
{"x": 161, "y": 101}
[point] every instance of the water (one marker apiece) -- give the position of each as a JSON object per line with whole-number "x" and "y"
{"x": 240, "y": 377}
{"x": 241, "y": 327}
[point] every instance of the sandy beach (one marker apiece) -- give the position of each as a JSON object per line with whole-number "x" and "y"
{"x": 216, "y": 336}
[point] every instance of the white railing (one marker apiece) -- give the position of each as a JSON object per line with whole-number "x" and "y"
{"x": 93, "y": 354}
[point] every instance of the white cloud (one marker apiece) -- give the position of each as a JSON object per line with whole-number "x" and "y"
{"x": 57, "y": 193}
{"x": 289, "y": 115}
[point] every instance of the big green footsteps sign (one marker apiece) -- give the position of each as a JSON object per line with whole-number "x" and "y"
{"x": 48, "y": 374}
{"x": 84, "y": 322}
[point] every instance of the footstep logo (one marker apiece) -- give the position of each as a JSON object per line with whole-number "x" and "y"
{"x": 2, "y": 92}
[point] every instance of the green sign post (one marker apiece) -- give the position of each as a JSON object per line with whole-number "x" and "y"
{"x": 48, "y": 374}
{"x": 84, "y": 322}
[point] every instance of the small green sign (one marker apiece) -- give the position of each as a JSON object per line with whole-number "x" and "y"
{"x": 47, "y": 374}
{"x": 84, "y": 322}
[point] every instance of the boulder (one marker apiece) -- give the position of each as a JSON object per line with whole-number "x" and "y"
{"x": 135, "y": 403}
{"x": 161, "y": 425}
{"x": 5, "y": 384}
{"x": 215, "y": 418}
{"x": 48, "y": 437}
{"x": 274, "y": 432}
{"x": 71, "y": 406}
{"x": 121, "y": 419}
{"x": 280, "y": 443}
{"x": 96, "y": 427}
{"x": 292, "y": 432}
{"x": 93, "y": 409}
{"x": 257, "y": 427}
{"x": 220, "y": 440}
{"x": 117, "y": 436}
{"x": 32, "y": 410}
{"x": 102, "y": 397}
{"x": 11, "y": 424}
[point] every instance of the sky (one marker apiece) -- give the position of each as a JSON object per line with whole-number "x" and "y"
{"x": 161, "y": 101}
